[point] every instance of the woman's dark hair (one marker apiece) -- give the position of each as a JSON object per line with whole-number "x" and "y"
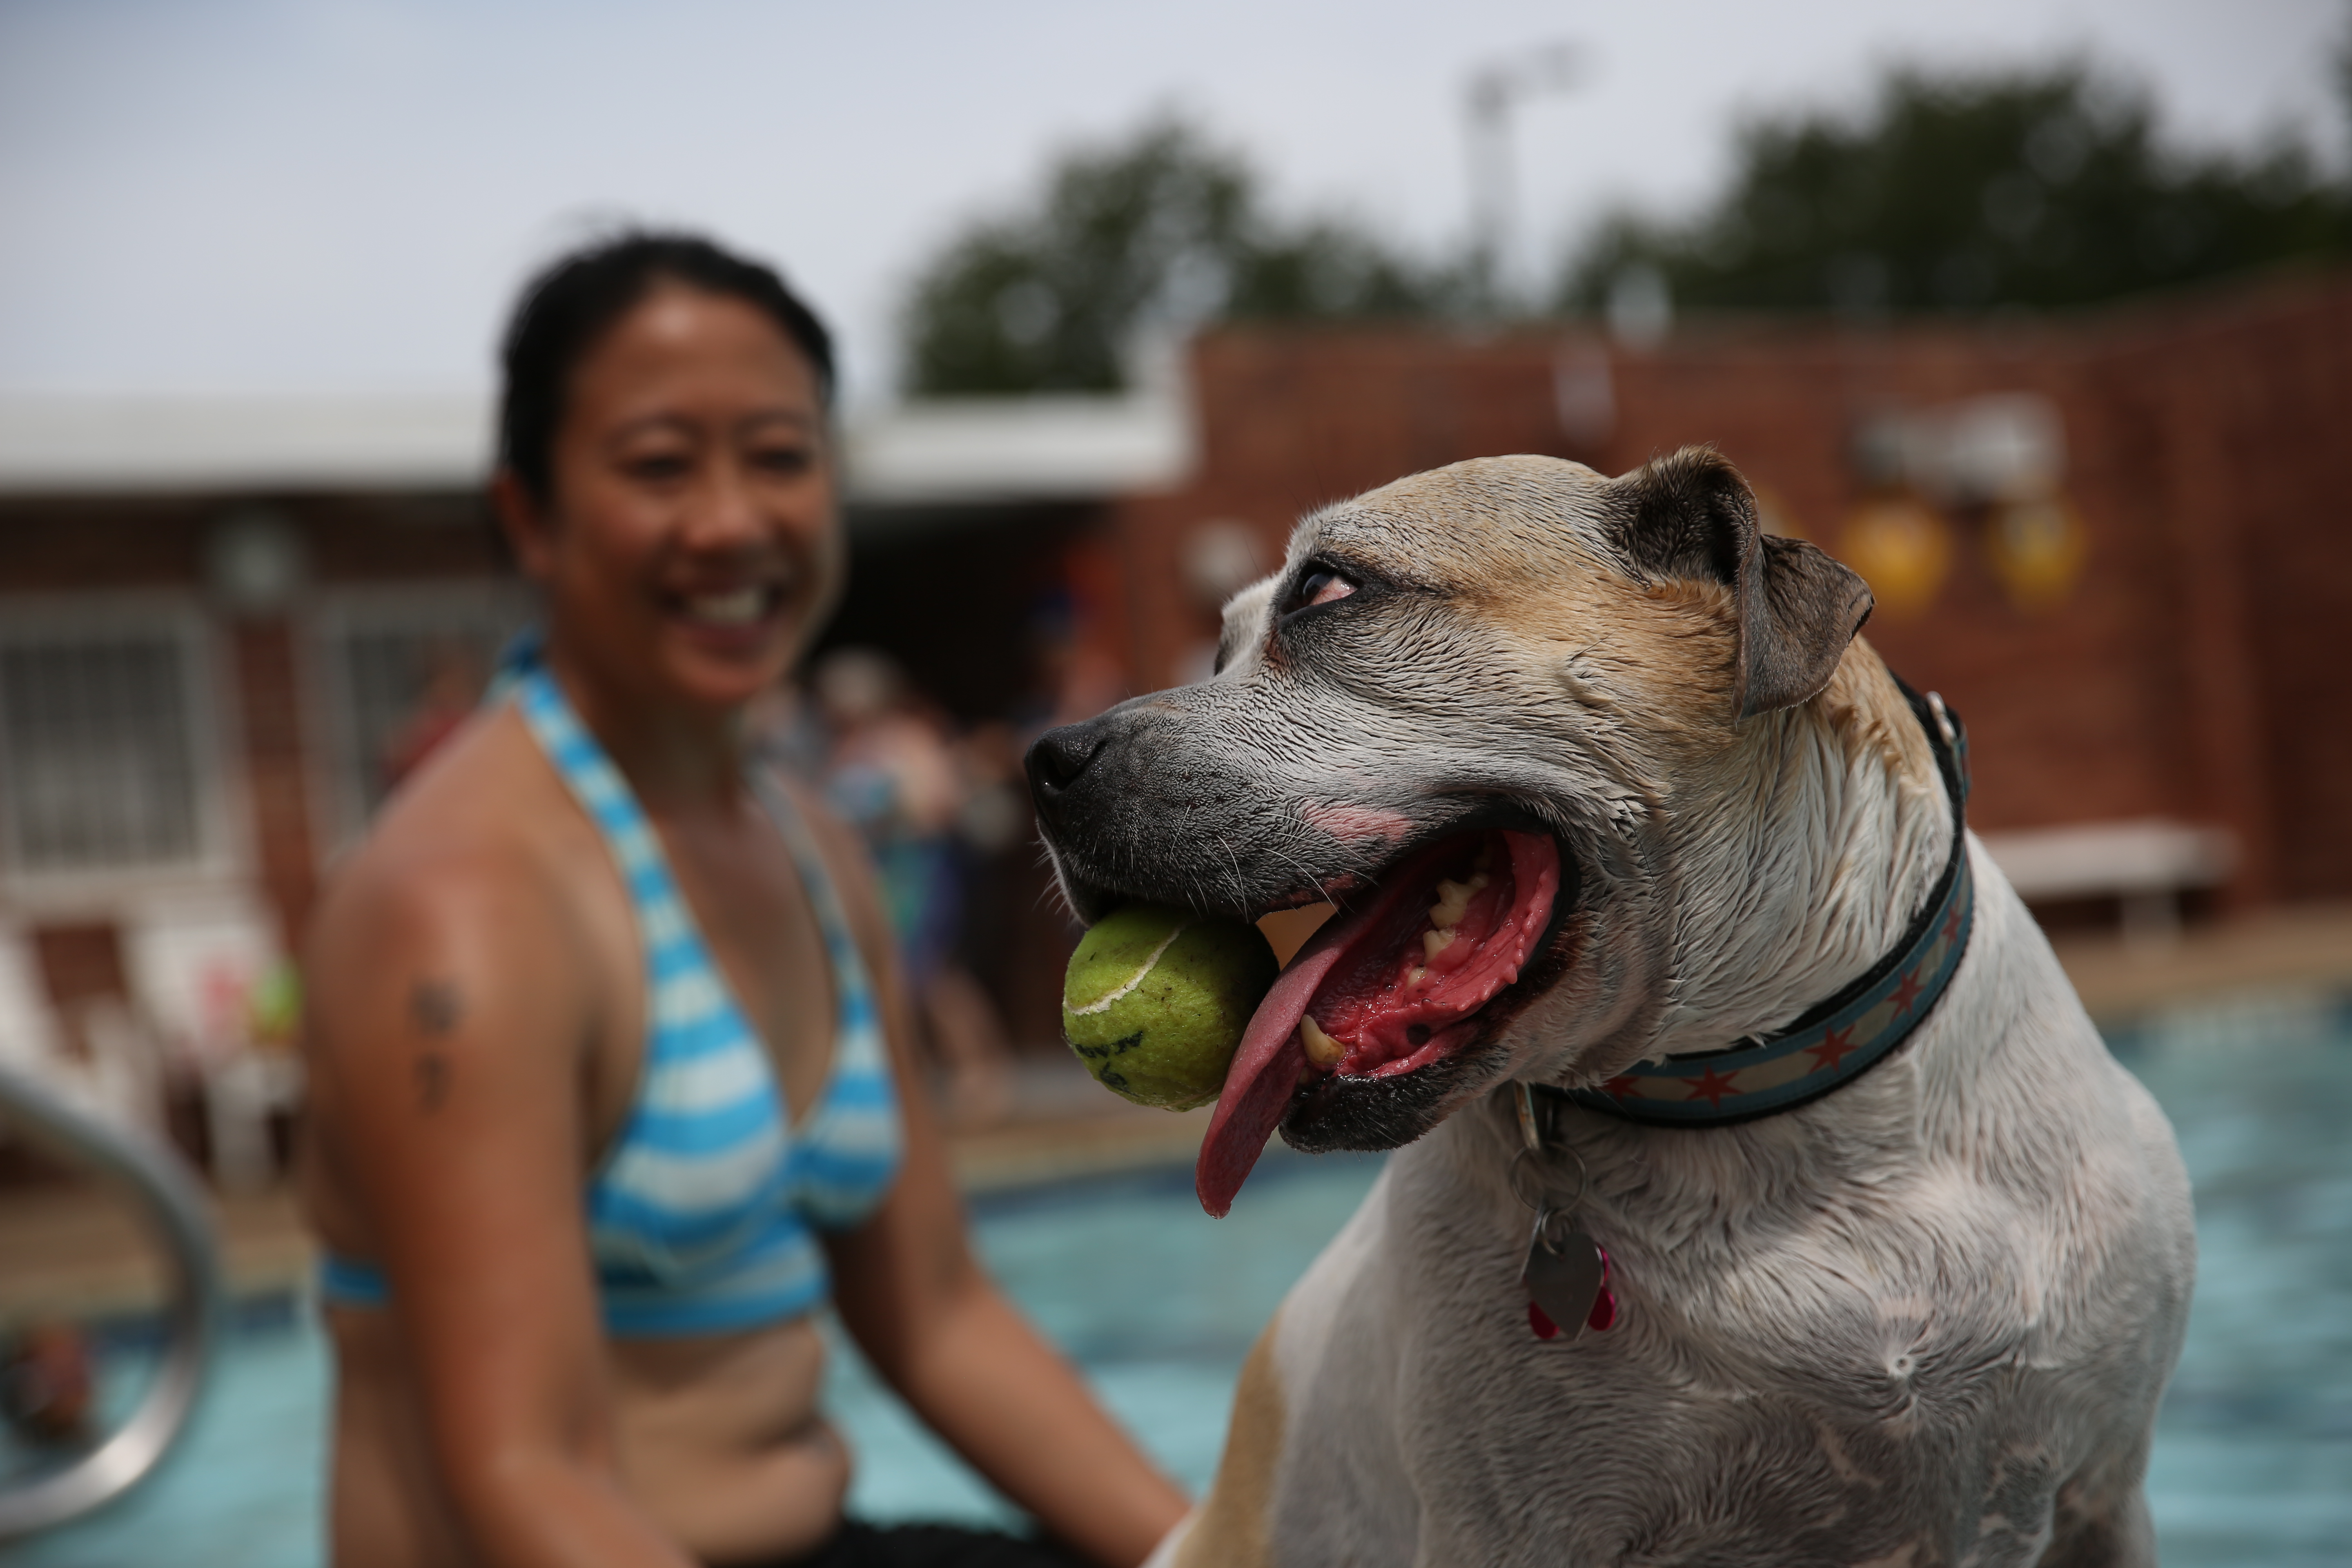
{"x": 575, "y": 300}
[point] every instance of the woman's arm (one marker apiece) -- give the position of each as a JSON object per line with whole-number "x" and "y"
{"x": 939, "y": 1330}
{"x": 449, "y": 1029}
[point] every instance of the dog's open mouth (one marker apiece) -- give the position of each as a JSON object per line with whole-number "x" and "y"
{"x": 1390, "y": 986}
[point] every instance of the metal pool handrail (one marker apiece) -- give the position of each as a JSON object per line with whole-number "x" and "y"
{"x": 175, "y": 1206}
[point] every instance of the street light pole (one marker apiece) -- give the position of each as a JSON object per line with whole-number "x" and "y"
{"x": 1489, "y": 97}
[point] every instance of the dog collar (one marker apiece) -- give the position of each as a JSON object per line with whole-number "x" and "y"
{"x": 1836, "y": 1041}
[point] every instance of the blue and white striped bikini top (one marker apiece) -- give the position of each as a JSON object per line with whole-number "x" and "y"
{"x": 700, "y": 1214}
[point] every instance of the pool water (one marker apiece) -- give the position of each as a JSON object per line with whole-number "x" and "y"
{"x": 1157, "y": 1304}
{"x": 2253, "y": 1451}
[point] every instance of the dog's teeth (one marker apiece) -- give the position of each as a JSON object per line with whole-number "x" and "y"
{"x": 1416, "y": 975}
{"x": 1453, "y": 901}
{"x": 1321, "y": 1048}
{"x": 1433, "y": 942}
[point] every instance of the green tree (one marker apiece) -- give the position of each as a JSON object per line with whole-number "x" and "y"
{"x": 1161, "y": 230}
{"x": 1962, "y": 194}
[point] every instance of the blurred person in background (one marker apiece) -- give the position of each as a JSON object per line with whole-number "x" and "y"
{"x": 48, "y": 1385}
{"x": 895, "y": 770}
{"x": 610, "y": 1080}
{"x": 453, "y": 685}
{"x": 1076, "y": 677}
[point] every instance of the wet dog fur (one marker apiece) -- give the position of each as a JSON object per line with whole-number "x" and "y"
{"x": 1925, "y": 1319}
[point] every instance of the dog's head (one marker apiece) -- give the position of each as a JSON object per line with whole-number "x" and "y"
{"x": 1468, "y": 709}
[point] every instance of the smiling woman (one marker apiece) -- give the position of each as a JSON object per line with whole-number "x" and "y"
{"x": 688, "y": 448}
{"x": 610, "y": 1081}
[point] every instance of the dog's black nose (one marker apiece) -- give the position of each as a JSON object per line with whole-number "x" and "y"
{"x": 1059, "y": 756}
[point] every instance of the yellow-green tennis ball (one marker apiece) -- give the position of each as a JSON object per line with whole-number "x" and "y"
{"x": 1156, "y": 999}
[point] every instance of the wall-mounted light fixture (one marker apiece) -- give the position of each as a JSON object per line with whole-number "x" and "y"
{"x": 254, "y": 562}
{"x": 1996, "y": 463}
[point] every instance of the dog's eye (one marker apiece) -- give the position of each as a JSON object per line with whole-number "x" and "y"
{"x": 1317, "y": 585}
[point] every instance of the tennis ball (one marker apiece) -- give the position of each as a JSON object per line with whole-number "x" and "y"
{"x": 1156, "y": 999}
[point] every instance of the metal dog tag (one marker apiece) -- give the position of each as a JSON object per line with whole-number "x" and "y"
{"x": 1564, "y": 1282}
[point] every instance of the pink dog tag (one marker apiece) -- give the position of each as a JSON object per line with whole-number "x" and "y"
{"x": 1604, "y": 1316}
{"x": 1568, "y": 1284}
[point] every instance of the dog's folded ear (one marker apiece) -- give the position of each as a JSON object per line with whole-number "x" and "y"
{"x": 1692, "y": 516}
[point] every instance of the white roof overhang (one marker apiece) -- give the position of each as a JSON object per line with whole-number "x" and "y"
{"x": 939, "y": 453}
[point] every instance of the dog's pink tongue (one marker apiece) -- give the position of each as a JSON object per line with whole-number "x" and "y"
{"x": 1258, "y": 1084}
{"x": 1266, "y": 1070}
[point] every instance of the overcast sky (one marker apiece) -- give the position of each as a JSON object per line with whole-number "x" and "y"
{"x": 342, "y": 195}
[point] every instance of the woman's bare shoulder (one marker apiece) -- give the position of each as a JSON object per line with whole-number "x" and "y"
{"x": 481, "y": 846}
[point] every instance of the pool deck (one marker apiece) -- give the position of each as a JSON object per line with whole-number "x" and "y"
{"x": 74, "y": 1251}
{"x": 2300, "y": 946}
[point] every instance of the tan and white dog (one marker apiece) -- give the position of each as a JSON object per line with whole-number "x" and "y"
{"x": 1601, "y": 777}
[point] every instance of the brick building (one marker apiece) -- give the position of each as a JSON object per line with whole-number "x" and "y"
{"x": 223, "y": 627}
{"x": 226, "y": 626}
{"x": 2187, "y": 670}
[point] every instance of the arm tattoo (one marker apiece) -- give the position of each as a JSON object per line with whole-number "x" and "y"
{"x": 432, "y": 1081}
{"x": 434, "y": 1008}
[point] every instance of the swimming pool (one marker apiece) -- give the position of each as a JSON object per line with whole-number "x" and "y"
{"x": 1158, "y": 1303}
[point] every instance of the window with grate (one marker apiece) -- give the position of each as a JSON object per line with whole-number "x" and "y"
{"x": 99, "y": 751}
{"x": 406, "y": 672}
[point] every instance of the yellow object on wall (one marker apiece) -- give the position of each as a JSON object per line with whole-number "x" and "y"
{"x": 2038, "y": 546}
{"x": 1903, "y": 548}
